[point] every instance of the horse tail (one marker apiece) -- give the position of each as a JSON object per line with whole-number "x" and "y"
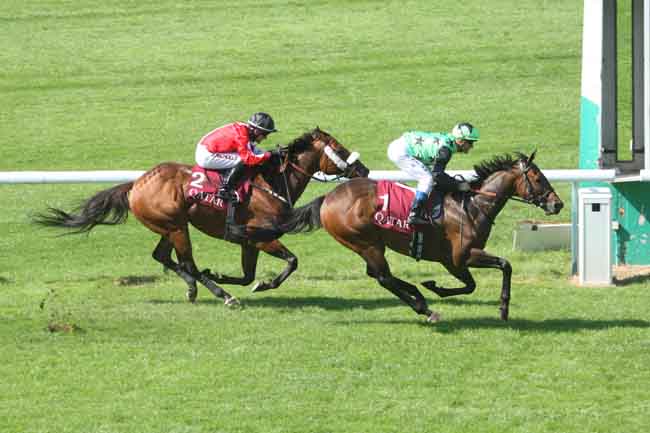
{"x": 107, "y": 207}
{"x": 303, "y": 219}
{"x": 299, "y": 220}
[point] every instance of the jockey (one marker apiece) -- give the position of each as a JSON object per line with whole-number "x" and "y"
{"x": 415, "y": 151}
{"x": 232, "y": 147}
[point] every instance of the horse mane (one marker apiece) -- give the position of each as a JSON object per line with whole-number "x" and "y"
{"x": 485, "y": 169}
{"x": 304, "y": 141}
{"x": 297, "y": 146}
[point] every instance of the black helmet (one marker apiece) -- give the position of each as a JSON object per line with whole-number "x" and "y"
{"x": 263, "y": 122}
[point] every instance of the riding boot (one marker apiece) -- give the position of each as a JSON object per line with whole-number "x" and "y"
{"x": 230, "y": 181}
{"x": 416, "y": 215}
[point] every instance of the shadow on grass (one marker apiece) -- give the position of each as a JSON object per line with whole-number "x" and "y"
{"x": 568, "y": 325}
{"x": 447, "y": 325}
{"x": 636, "y": 279}
{"x": 551, "y": 325}
{"x": 326, "y": 303}
{"x": 323, "y": 302}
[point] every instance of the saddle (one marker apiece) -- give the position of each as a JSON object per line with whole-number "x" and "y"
{"x": 394, "y": 204}
{"x": 204, "y": 186}
{"x": 392, "y": 209}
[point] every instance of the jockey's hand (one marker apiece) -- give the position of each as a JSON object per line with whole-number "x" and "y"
{"x": 464, "y": 187}
{"x": 276, "y": 157}
{"x": 276, "y": 153}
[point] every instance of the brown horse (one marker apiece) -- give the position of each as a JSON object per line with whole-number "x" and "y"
{"x": 156, "y": 199}
{"x": 457, "y": 242}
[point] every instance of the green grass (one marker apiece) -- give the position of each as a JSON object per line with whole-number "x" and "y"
{"x": 125, "y": 85}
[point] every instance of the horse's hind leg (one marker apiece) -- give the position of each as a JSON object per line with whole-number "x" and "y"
{"x": 186, "y": 268}
{"x": 163, "y": 254}
{"x": 377, "y": 267}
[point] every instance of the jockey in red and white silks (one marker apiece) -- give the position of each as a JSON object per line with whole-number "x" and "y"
{"x": 233, "y": 147}
{"x": 227, "y": 146}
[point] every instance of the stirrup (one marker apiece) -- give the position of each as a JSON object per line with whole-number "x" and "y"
{"x": 227, "y": 194}
{"x": 417, "y": 219}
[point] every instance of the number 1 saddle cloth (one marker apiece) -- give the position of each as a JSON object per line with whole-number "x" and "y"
{"x": 394, "y": 204}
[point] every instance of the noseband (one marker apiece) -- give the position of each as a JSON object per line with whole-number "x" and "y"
{"x": 538, "y": 200}
{"x": 347, "y": 166}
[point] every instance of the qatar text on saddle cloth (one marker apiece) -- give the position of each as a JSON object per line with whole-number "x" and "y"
{"x": 205, "y": 184}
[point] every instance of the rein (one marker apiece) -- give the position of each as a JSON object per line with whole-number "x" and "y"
{"x": 331, "y": 154}
{"x": 272, "y": 193}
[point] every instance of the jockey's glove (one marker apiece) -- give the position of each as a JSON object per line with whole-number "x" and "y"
{"x": 464, "y": 187}
{"x": 276, "y": 157}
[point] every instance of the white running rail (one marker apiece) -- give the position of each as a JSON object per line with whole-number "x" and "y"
{"x": 104, "y": 176}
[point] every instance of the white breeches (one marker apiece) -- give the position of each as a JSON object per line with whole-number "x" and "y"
{"x": 397, "y": 153}
{"x": 215, "y": 161}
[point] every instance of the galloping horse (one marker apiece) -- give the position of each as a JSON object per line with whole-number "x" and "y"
{"x": 457, "y": 242}
{"x": 157, "y": 200}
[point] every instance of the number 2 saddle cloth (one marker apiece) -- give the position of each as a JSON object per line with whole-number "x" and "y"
{"x": 204, "y": 185}
{"x": 394, "y": 204}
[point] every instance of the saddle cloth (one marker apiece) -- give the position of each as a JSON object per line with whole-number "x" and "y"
{"x": 394, "y": 204}
{"x": 204, "y": 186}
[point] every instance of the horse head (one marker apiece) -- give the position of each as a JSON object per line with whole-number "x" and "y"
{"x": 534, "y": 188}
{"x": 334, "y": 158}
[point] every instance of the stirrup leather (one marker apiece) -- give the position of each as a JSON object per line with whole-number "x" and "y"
{"x": 227, "y": 194}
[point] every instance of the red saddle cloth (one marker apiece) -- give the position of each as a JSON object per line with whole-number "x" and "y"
{"x": 204, "y": 185}
{"x": 394, "y": 204}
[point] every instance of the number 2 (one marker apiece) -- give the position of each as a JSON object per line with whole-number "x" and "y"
{"x": 198, "y": 179}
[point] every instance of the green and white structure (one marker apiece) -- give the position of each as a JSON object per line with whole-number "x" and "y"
{"x": 599, "y": 121}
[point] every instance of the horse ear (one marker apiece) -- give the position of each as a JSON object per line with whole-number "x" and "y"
{"x": 532, "y": 156}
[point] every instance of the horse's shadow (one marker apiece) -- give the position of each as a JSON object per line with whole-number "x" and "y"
{"x": 447, "y": 325}
{"x": 323, "y": 302}
{"x": 294, "y": 303}
{"x": 568, "y": 325}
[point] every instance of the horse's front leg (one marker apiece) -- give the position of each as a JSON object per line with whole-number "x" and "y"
{"x": 481, "y": 259}
{"x": 249, "y": 256}
{"x": 462, "y": 274}
{"x": 276, "y": 249}
{"x": 477, "y": 259}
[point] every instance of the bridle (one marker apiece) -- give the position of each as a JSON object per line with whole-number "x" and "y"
{"x": 347, "y": 168}
{"x": 538, "y": 200}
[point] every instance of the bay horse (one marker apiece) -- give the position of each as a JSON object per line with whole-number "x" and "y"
{"x": 157, "y": 200}
{"x": 457, "y": 242}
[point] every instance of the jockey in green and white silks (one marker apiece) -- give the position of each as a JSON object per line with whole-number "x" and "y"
{"x": 424, "y": 156}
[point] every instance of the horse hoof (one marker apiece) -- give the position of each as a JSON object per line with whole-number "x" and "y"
{"x": 433, "y": 317}
{"x": 191, "y": 296}
{"x": 232, "y": 302}
{"x": 260, "y": 287}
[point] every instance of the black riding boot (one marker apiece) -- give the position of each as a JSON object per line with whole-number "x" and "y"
{"x": 416, "y": 214}
{"x": 230, "y": 181}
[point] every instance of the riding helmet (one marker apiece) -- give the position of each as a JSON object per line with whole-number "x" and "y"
{"x": 465, "y": 131}
{"x": 263, "y": 122}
